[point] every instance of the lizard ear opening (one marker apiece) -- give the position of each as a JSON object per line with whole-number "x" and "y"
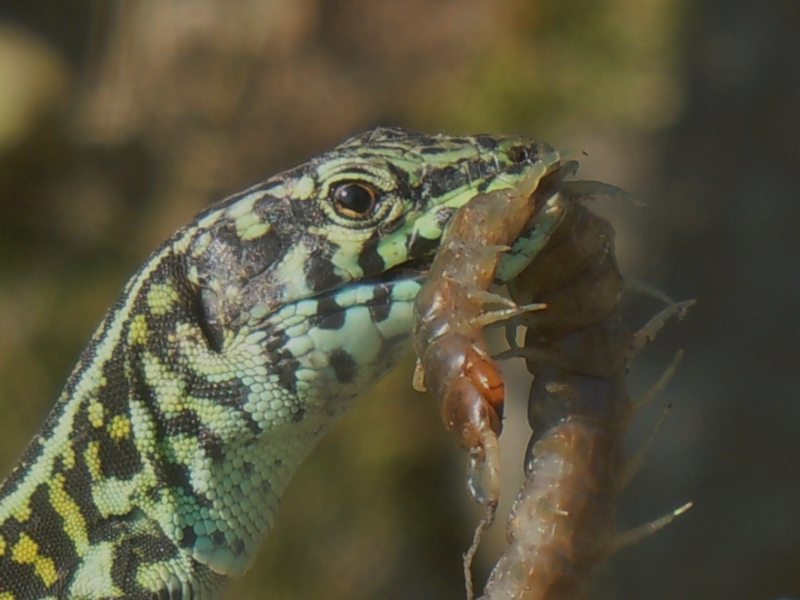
{"x": 207, "y": 311}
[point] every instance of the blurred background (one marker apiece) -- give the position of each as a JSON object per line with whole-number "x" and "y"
{"x": 120, "y": 120}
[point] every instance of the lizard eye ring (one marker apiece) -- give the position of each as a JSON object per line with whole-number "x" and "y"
{"x": 354, "y": 200}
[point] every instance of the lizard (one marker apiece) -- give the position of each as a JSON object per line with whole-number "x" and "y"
{"x": 230, "y": 352}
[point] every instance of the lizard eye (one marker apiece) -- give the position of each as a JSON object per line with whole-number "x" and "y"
{"x": 354, "y": 200}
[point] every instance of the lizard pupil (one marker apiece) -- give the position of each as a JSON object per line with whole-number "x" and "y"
{"x": 354, "y": 200}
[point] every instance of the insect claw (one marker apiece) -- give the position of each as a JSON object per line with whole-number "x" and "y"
{"x": 632, "y": 536}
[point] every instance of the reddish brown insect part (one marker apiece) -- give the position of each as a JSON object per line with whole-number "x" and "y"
{"x": 484, "y": 373}
{"x": 466, "y": 413}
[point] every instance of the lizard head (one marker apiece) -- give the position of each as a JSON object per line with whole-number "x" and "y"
{"x": 368, "y": 213}
{"x": 296, "y": 296}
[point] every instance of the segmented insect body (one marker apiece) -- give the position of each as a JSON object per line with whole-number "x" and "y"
{"x": 578, "y": 349}
{"x": 563, "y": 521}
{"x": 450, "y": 314}
{"x": 562, "y": 524}
{"x": 449, "y": 337}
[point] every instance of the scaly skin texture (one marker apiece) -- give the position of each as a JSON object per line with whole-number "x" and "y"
{"x": 225, "y": 359}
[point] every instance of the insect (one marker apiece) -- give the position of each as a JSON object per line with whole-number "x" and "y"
{"x": 577, "y": 348}
{"x": 450, "y": 315}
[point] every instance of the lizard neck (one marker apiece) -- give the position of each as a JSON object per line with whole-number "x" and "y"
{"x": 164, "y": 450}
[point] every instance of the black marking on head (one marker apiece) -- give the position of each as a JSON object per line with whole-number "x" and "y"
{"x": 479, "y": 169}
{"x": 218, "y": 538}
{"x": 260, "y": 254}
{"x": 286, "y": 366}
{"x": 297, "y": 416}
{"x": 154, "y": 493}
{"x": 330, "y": 314}
{"x": 428, "y": 150}
{"x": 343, "y": 365}
{"x": 356, "y": 170}
{"x": 186, "y": 422}
{"x": 320, "y": 274}
{"x": 231, "y": 394}
{"x": 275, "y": 341}
{"x": 370, "y": 261}
{"x": 212, "y": 445}
{"x": 483, "y": 185}
{"x": 188, "y": 537}
{"x": 518, "y": 167}
{"x": 281, "y": 361}
{"x": 444, "y": 180}
{"x": 421, "y": 246}
{"x": 380, "y": 307}
{"x": 403, "y": 189}
{"x": 176, "y": 475}
{"x": 486, "y": 141}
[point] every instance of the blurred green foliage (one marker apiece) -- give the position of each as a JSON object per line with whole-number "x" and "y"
{"x": 118, "y": 121}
